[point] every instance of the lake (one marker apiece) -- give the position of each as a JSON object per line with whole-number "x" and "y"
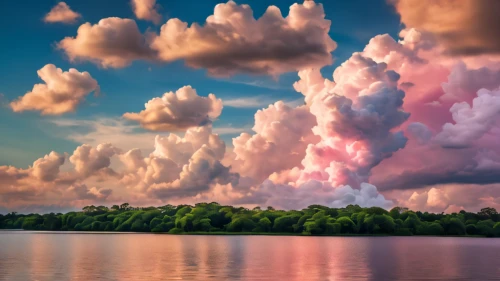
{"x": 101, "y": 256}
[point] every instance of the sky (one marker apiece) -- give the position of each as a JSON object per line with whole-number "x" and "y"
{"x": 376, "y": 103}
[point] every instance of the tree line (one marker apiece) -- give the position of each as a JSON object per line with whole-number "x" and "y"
{"x": 216, "y": 218}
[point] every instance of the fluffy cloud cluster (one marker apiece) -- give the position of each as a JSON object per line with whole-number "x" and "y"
{"x": 356, "y": 118}
{"x": 466, "y": 27}
{"x": 471, "y": 122}
{"x": 62, "y": 13}
{"x": 47, "y": 168}
{"x": 231, "y": 41}
{"x": 179, "y": 167}
{"x": 146, "y": 10}
{"x": 281, "y": 132}
{"x": 112, "y": 42}
{"x": 453, "y": 125}
{"x": 89, "y": 160}
{"x": 61, "y": 93}
{"x": 178, "y": 111}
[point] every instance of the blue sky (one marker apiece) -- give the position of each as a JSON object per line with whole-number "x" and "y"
{"x": 29, "y": 44}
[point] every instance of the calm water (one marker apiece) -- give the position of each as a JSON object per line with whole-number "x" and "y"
{"x": 77, "y": 256}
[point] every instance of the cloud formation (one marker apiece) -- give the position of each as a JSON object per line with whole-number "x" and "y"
{"x": 471, "y": 122}
{"x": 62, "y": 13}
{"x": 356, "y": 120}
{"x": 61, "y": 93}
{"x": 233, "y": 41}
{"x": 177, "y": 111}
{"x": 230, "y": 41}
{"x": 112, "y": 42}
{"x": 317, "y": 192}
{"x": 179, "y": 167}
{"x": 146, "y": 10}
{"x": 89, "y": 160}
{"x": 281, "y": 132}
{"x": 466, "y": 27}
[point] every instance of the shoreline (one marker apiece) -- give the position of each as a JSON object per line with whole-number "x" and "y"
{"x": 229, "y": 234}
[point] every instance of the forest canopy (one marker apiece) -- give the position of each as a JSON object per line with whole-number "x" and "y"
{"x": 218, "y": 219}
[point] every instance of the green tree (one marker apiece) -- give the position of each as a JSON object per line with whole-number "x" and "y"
{"x": 346, "y": 225}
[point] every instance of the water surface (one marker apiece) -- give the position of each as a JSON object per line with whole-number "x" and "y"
{"x": 81, "y": 256}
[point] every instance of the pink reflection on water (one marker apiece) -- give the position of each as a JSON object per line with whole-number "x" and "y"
{"x": 77, "y": 256}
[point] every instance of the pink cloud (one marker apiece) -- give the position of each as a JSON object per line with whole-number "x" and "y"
{"x": 146, "y": 10}
{"x": 112, "y": 42}
{"x": 62, "y": 13}
{"x": 231, "y": 41}
{"x": 471, "y": 122}
{"x": 88, "y": 160}
{"x": 281, "y": 132}
{"x": 61, "y": 93}
{"x": 449, "y": 198}
{"x": 177, "y": 111}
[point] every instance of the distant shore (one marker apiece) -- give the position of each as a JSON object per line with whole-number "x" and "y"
{"x": 215, "y": 219}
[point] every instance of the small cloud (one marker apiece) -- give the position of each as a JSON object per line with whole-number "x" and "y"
{"x": 62, "y": 13}
{"x": 61, "y": 93}
{"x": 177, "y": 111}
{"x": 146, "y": 10}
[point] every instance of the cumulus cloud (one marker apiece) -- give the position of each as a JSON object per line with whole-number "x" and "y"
{"x": 178, "y": 111}
{"x": 466, "y": 27}
{"x": 62, "y": 13}
{"x": 450, "y": 198}
{"x": 464, "y": 82}
{"x": 24, "y": 186}
{"x": 112, "y": 42}
{"x": 471, "y": 122}
{"x": 231, "y": 41}
{"x": 281, "y": 132}
{"x": 89, "y": 160}
{"x": 316, "y": 192}
{"x": 356, "y": 118}
{"x": 146, "y": 10}
{"x": 179, "y": 166}
{"x": 61, "y": 93}
{"x": 47, "y": 168}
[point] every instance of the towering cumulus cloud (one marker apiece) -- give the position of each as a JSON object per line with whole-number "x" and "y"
{"x": 465, "y": 27}
{"x": 62, "y": 13}
{"x": 178, "y": 111}
{"x": 231, "y": 41}
{"x": 146, "y": 10}
{"x": 346, "y": 128}
{"x": 61, "y": 93}
{"x": 356, "y": 119}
